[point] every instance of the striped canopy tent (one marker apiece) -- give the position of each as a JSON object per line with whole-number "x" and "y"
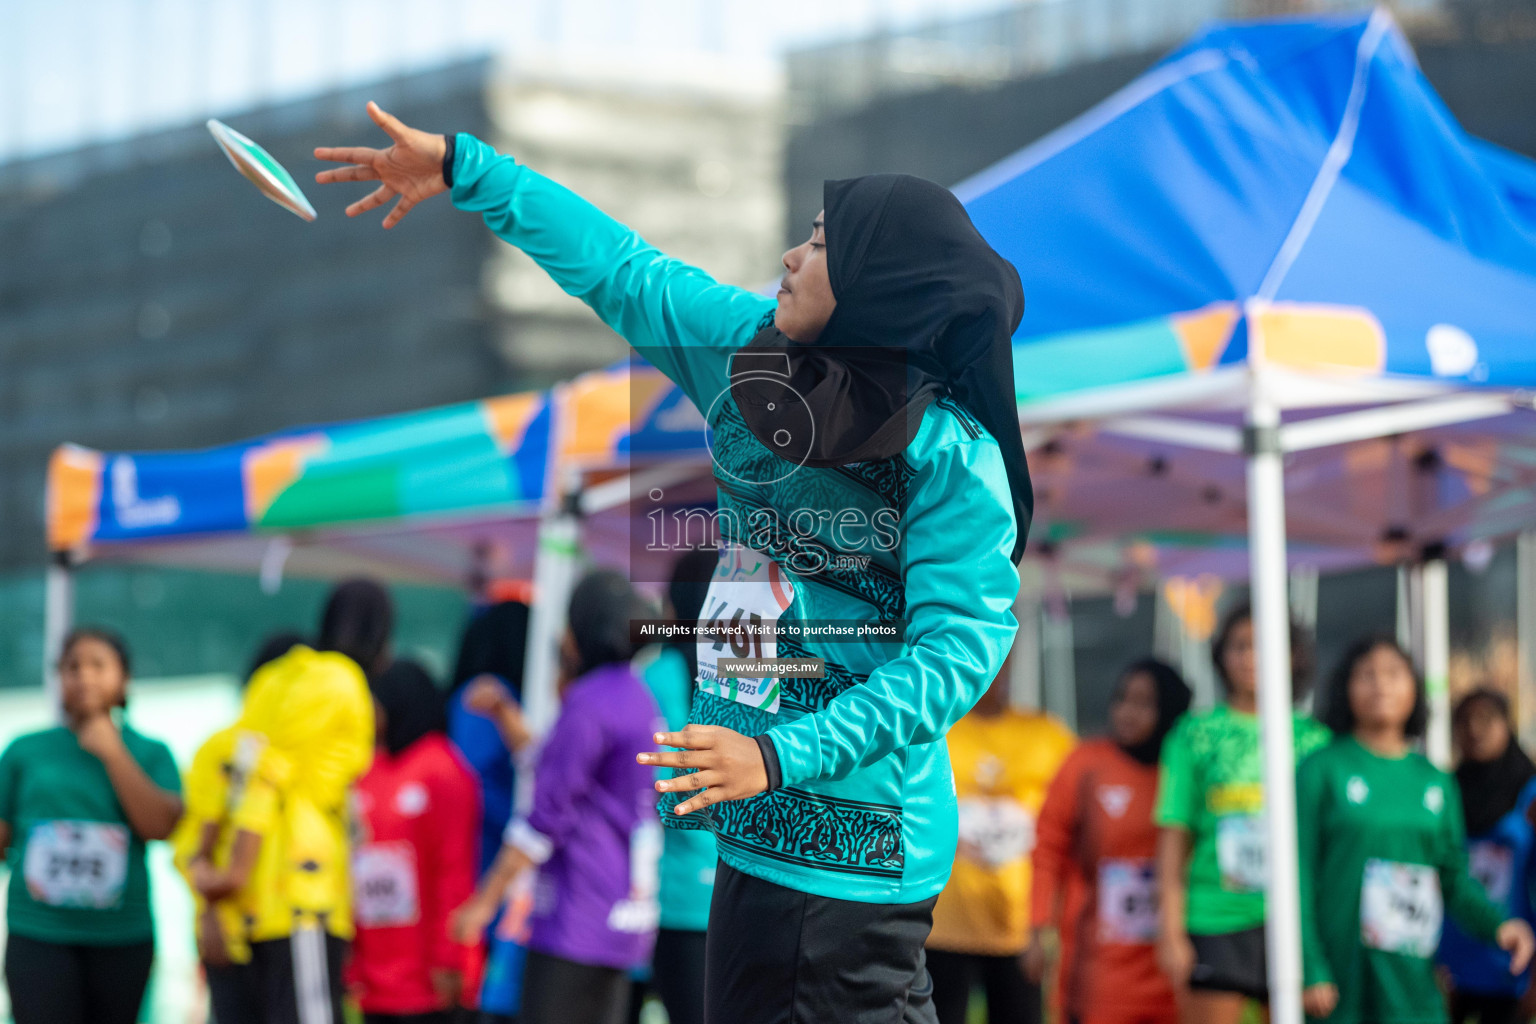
{"x": 467, "y": 492}
{"x": 403, "y": 497}
{"x": 400, "y": 496}
{"x": 1282, "y": 310}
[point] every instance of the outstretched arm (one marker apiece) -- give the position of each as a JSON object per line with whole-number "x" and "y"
{"x": 675, "y": 315}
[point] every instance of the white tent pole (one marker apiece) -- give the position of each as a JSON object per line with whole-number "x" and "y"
{"x": 58, "y": 617}
{"x": 554, "y": 577}
{"x": 1059, "y": 684}
{"x": 1271, "y": 625}
{"x": 1525, "y": 634}
{"x": 1024, "y": 687}
{"x": 1435, "y": 624}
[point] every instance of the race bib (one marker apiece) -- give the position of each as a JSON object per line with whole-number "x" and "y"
{"x": 1128, "y": 901}
{"x": 997, "y": 829}
{"x": 748, "y": 594}
{"x": 384, "y": 885}
{"x": 1493, "y": 865}
{"x": 77, "y": 863}
{"x": 1242, "y": 853}
{"x": 1400, "y": 908}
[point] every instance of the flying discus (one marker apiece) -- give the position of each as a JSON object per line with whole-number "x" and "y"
{"x": 263, "y": 171}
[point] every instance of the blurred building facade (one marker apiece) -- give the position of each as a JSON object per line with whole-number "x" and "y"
{"x": 688, "y": 154}
{"x": 150, "y": 299}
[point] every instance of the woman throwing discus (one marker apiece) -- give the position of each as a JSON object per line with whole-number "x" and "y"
{"x": 870, "y": 470}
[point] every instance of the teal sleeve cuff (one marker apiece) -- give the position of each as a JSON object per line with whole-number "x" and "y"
{"x": 463, "y": 149}
{"x": 799, "y": 751}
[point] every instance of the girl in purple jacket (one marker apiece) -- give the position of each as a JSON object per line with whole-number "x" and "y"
{"x": 592, "y": 832}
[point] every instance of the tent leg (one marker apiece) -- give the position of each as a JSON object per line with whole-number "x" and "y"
{"x": 1271, "y": 624}
{"x": 58, "y": 617}
{"x": 1525, "y": 635}
{"x": 1025, "y": 690}
{"x": 1434, "y": 630}
{"x": 554, "y": 574}
{"x": 1405, "y": 604}
{"x": 1059, "y": 662}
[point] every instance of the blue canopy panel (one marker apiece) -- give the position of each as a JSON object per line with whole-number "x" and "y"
{"x": 1297, "y": 182}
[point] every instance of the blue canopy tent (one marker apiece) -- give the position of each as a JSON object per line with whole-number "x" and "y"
{"x": 1277, "y": 244}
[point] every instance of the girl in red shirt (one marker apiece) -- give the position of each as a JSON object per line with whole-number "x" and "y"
{"x": 418, "y": 815}
{"x": 1095, "y": 833}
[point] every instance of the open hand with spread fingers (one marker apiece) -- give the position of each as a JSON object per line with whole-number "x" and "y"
{"x": 729, "y": 765}
{"x": 411, "y": 168}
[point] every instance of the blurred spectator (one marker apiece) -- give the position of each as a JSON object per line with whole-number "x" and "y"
{"x": 252, "y": 900}
{"x": 1495, "y": 778}
{"x": 78, "y": 802}
{"x": 485, "y": 721}
{"x": 1003, "y": 762}
{"x": 687, "y": 855}
{"x": 491, "y": 652}
{"x": 307, "y": 720}
{"x": 592, "y": 831}
{"x": 416, "y": 860}
{"x": 1096, "y": 832}
{"x": 1212, "y": 854}
{"x": 1382, "y": 853}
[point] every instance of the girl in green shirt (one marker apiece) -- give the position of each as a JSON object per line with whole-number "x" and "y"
{"x": 1382, "y": 854}
{"x": 77, "y": 804}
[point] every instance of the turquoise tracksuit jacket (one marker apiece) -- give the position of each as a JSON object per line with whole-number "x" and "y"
{"x": 866, "y": 808}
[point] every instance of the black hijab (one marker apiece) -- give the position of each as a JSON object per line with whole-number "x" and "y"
{"x": 925, "y": 308}
{"x": 1491, "y": 789}
{"x": 413, "y": 707}
{"x": 599, "y": 615}
{"x": 358, "y": 619}
{"x": 1173, "y": 697}
{"x": 494, "y": 643}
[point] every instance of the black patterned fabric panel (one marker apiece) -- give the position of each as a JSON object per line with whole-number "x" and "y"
{"x": 797, "y": 827}
{"x": 811, "y": 695}
{"x": 889, "y": 478}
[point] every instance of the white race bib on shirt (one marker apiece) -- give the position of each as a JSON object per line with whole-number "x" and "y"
{"x": 1400, "y": 908}
{"x": 77, "y": 863}
{"x": 1128, "y": 901}
{"x": 999, "y": 829}
{"x": 1242, "y": 852}
{"x": 747, "y": 596}
{"x": 384, "y": 885}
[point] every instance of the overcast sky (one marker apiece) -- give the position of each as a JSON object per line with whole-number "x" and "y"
{"x": 73, "y": 71}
